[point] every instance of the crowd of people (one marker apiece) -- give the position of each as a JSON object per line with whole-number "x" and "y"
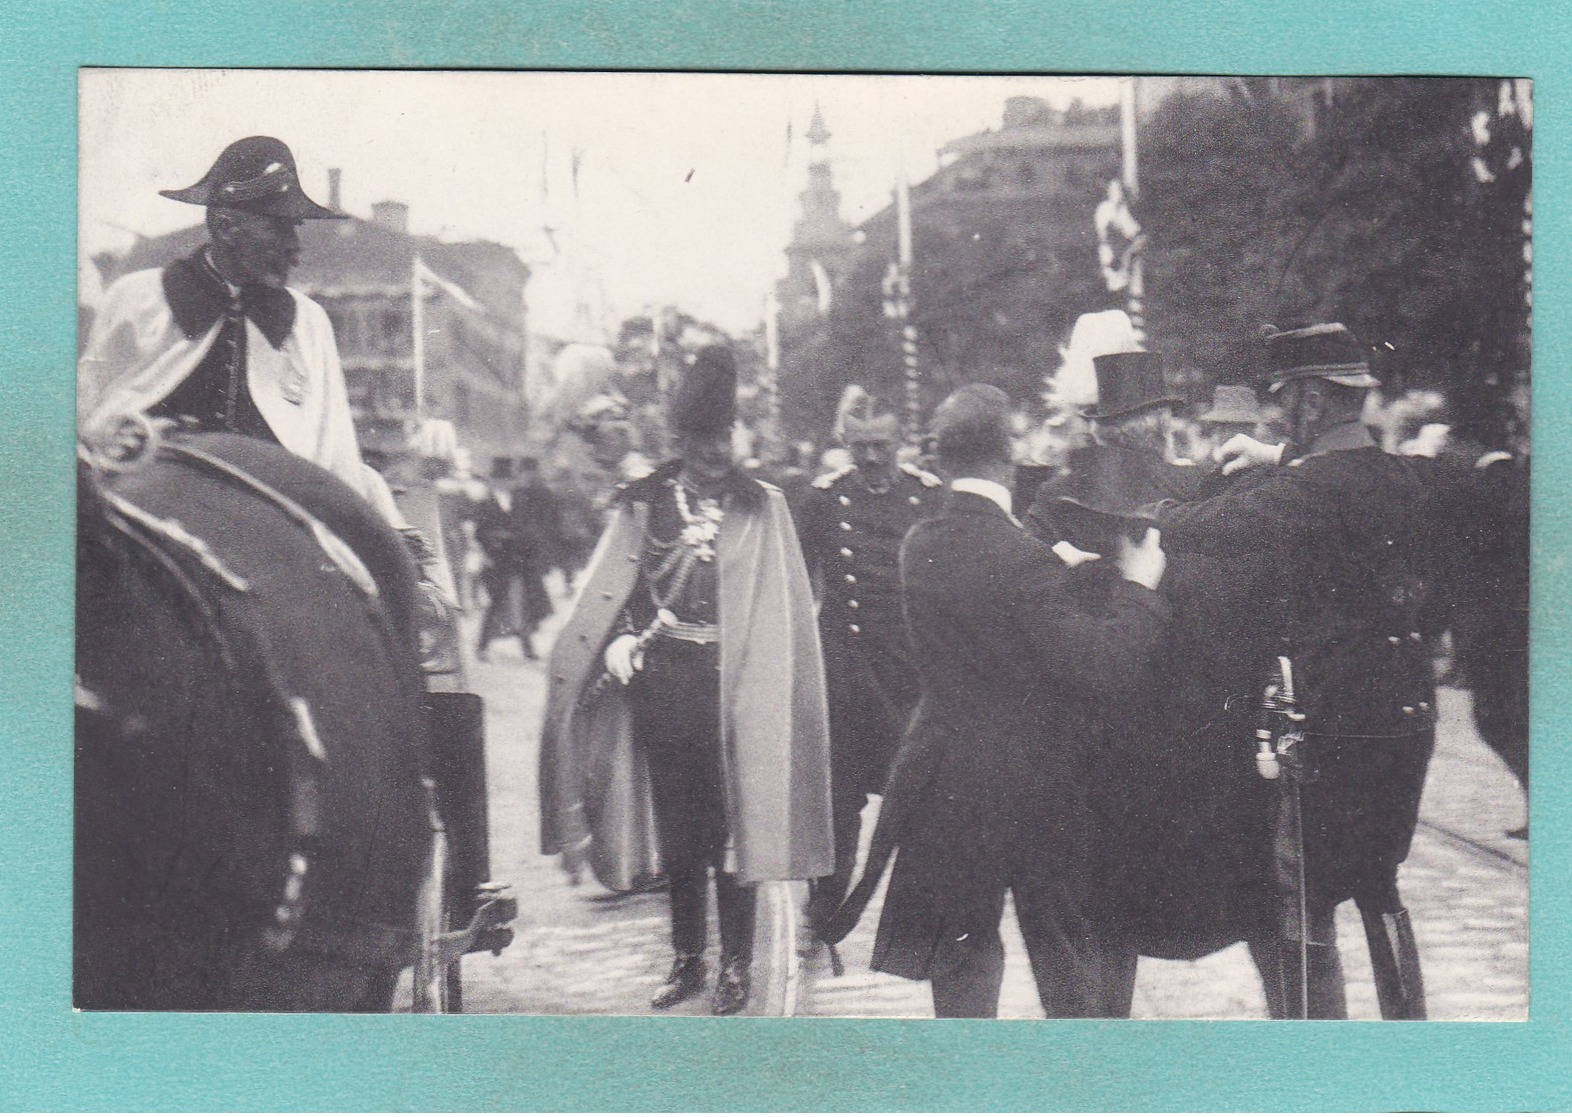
{"x": 1052, "y": 675}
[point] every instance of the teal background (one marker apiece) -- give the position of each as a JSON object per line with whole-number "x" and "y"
{"x": 52, "y": 1058}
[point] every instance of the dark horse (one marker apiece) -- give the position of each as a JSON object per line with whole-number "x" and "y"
{"x": 252, "y": 822}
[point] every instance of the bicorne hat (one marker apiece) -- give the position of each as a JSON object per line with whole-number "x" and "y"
{"x": 1327, "y": 351}
{"x": 1128, "y": 383}
{"x": 705, "y": 401}
{"x": 1232, "y": 403}
{"x": 256, "y": 174}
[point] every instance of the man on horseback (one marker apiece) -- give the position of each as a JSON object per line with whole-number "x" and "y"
{"x": 217, "y": 342}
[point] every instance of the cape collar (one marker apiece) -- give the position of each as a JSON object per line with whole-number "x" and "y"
{"x": 198, "y": 297}
{"x": 738, "y": 485}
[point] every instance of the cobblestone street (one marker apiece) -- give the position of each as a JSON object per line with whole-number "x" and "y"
{"x": 580, "y": 951}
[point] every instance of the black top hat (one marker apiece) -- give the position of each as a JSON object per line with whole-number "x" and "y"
{"x": 256, "y": 174}
{"x": 705, "y": 402}
{"x": 1127, "y": 383}
{"x": 1111, "y": 481}
{"x": 1327, "y": 351}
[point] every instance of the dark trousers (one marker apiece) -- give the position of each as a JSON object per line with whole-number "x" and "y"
{"x": 1080, "y": 970}
{"x": 497, "y": 620}
{"x": 1359, "y": 818}
{"x": 676, "y": 722}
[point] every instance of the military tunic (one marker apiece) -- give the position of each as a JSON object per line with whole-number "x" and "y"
{"x": 1347, "y": 528}
{"x": 851, "y": 540}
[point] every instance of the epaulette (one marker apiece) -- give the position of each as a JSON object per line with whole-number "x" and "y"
{"x": 825, "y": 480}
{"x": 929, "y": 480}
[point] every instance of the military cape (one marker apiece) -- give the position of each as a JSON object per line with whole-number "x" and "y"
{"x": 774, "y": 720}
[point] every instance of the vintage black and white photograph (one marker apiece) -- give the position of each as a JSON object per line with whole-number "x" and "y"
{"x": 806, "y": 545}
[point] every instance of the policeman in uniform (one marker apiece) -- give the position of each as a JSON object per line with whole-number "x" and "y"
{"x": 851, "y": 523}
{"x": 1345, "y": 527}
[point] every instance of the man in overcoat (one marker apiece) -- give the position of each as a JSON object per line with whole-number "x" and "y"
{"x": 1346, "y": 527}
{"x": 689, "y": 679}
{"x": 989, "y": 793}
{"x": 851, "y": 523}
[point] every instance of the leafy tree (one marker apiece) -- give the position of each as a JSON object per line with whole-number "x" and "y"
{"x": 1379, "y": 208}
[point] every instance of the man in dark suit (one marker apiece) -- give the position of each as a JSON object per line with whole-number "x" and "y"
{"x": 988, "y": 793}
{"x": 1346, "y": 527}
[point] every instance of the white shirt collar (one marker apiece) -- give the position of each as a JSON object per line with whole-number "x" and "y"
{"x": 992, "y": 490}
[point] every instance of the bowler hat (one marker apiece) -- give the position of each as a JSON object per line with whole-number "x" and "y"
{"x": 1232, "y": 403}
{"x": 705, "y": 402}
{"x": 1128, "y": 383}
{"x": 256, "y": 174}
{"x": 1327, "y": 351}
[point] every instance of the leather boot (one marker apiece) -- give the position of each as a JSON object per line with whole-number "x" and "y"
{"x": 732, "y": 987}
{"x": 685, "y": 980}
{"x": 1394, "y": 959}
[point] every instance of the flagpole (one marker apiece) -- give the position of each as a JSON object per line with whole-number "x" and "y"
{"x": 1130, "y": 173}
{"x": 417, "y": 320}
{"x": 903, "y": 260}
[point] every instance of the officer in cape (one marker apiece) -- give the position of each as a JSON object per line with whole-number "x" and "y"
{"x": 686, "y": 727}
{"x": 851, "y": 523}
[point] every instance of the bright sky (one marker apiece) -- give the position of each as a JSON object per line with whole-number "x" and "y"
{"x": 687, "y": 186}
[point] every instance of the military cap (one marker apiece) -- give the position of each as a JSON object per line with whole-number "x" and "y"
{"x": 1326, "y": 351}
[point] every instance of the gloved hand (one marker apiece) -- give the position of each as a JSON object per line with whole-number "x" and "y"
{"x": 1242, "y": 452}
{"x": 624, "y": 657}
{"x": 1143, "y": 563}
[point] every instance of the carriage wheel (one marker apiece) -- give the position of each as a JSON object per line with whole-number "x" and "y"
{"x": 433, "y": 981}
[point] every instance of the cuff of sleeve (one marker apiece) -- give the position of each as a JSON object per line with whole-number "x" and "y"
{"x": 1147, "y": 599}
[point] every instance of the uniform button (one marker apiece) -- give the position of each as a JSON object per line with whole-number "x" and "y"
{"x": 913, "y": 500}
{"x": 854, "y": 629}
{"x": 852, "y": 578}
{"x": 852, "y": 604}
{"x": 846, "y": 552}
{"x": 605, "y": 595}
{"x": 845, "y": 499}
{"x": 1394, "y": 639}
{"x": 845, "y": 526}
{"x": 1408, "y": 709}
{"x": 1415, "y": 637}
{"x": 1424, "y": 706}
